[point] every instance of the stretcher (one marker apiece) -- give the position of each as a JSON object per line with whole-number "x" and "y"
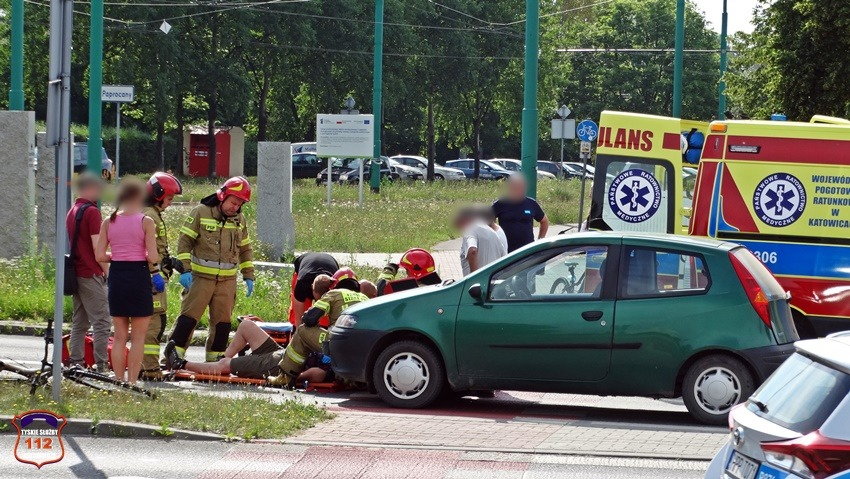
{"x": 184, "y": 375}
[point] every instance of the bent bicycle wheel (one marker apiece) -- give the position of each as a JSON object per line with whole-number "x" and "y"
{"x": 102, "y": 382}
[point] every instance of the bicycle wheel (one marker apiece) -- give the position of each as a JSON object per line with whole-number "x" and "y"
{"x": 102, "y": 382}
{"x": 559, "y": 286}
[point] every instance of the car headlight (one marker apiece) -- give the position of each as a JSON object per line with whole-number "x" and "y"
{"x": 346, "y": 321}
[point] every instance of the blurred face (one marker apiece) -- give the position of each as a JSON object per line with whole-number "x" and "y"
{"x": 230, "y": 206}
{"x": 166, "y": 201}
{"x": 516, "y": 187}
{"x": 92, "y": 193}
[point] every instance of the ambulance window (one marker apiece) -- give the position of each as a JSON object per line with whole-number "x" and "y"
{"x": 636, "y": 196}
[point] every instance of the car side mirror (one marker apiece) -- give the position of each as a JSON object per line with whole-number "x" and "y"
{"x": 476, "y": 293}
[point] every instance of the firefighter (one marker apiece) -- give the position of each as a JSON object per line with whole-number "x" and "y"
{"x": 162, "y": 188}
{"x": 213, "y": 247}
{"x": 309, "y": 336}
{"x": 420, "y": 268}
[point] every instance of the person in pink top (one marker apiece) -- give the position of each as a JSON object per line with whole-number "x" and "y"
{"x": 130, "y": 237}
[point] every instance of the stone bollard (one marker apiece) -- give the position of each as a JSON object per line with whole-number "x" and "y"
{"x": 275, "y": 224}
{"x": 17, "y": 137}
{"x": 45, "y": 195}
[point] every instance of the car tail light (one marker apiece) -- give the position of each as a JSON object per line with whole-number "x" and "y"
{"x": 754, "y": 292}
{"x": 812, "y": 455}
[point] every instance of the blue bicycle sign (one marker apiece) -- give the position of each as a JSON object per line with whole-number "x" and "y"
{"x": 587, "y": 130}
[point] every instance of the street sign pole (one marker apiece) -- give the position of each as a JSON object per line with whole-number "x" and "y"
{"x": 721, "y": 86}
{"x": 117, "y": 140}
{"x": 530, "y": 134}
{"x": 377, "y": 81}
{"x": 16, "y": 90}
{"x": 587, "y": 131}
{"x": 677, "y": 58}
{"x": 95, "y": 142}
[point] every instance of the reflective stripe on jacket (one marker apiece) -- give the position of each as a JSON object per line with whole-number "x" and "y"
{"x": 215, "y": 246}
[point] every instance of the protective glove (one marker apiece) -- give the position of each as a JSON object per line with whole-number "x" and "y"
{"x": 186, "y": 279}
{"x": 249, "y": 287}
{"x": 158, "y": 282}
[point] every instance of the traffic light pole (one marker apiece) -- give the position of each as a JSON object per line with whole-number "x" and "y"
{"x": 678, "y": 57}
{"x": 530, "y": 132}
{"x": 377, "y": 81}
{"x": 721, "y": 86}
{"x": 95, "y": 142}
{"x": 16, "y": 87}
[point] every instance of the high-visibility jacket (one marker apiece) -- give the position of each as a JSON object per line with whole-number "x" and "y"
{"x": 154, "y": 213}
{"x": 215, "y": 246}
{"x": 332, "y": 304}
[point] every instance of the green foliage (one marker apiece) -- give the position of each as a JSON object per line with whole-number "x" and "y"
{"x": 245, "y": 417}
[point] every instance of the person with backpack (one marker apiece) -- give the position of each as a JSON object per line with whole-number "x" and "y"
{"x": 89, "y": 296}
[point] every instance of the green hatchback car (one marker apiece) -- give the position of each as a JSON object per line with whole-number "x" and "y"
{"x": 590, "y": 313}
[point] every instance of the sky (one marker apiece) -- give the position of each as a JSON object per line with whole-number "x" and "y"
{"x": 740, "y": 13}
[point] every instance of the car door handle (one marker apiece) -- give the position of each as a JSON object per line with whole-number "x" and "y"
{"x": 591, "y": 315}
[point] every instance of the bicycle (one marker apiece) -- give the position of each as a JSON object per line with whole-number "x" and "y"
{"x": 568, "y": 286}
{"x": 93, "y": 379}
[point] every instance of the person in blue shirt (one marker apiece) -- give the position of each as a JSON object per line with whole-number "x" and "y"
{"x": 517, "y": 213}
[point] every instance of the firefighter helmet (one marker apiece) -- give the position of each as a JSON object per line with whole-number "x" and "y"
{"x": 237, "y": 186}
{"x": 345, "y": 278}
{"x": 163, "y": 184}
{"x": 418, "y": 263}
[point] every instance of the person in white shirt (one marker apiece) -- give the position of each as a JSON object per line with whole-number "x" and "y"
{"x": 480, "y": 245}
{"x": 489, "y": 217}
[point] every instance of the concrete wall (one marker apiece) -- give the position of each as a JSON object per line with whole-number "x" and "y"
{"x": 275, "y": 224}
{"x": 17, "y": 137}
{"x": 45, "y": 195}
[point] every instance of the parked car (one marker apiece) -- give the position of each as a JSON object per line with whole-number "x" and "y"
{"x": 81, "y": 159}
{"x": 421, "y": 164}
{"x": 574, "y": 169}
{"x": 516, "y": 165}
{"x": 304, "y": 147}
{"x": 338, "y": 167}
{"x": 797, "y": 425}
{"x": 630, "y": 314}
{"x": 389, "y": 169}
{"x": 307, "y": 165}
{"x": 487, "y": 170}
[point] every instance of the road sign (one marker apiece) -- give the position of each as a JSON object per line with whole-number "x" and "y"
{"x": 563, "y": 129}
{"x": 564, "y": 111}
{"x": 117, "y": 93}
{"x": 345, "y": 136}
{"x": 585, "y": 147}
{"x": 587, "y": 130}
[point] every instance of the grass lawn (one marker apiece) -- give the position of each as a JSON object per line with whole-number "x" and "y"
{"x": 245, "y": 417}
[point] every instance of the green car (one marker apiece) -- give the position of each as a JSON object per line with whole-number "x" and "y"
{"x": 590, "y": 313}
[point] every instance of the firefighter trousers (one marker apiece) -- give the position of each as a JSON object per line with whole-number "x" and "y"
{"x": 153, "y": 336}
{"x": 306, "y": 340}
{"x": 220, "y": 296}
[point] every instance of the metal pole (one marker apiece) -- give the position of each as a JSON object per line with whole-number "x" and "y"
{"x": 330, "y": 179}
{"x": 117, "y": 140}
{"x": 530, "y": 134}
{"x": 377, "y": 82}
{"x": 721, "y": 86}
{"x": 584, "y": 157}
{"x": 562, "y": 172}
{"x": 677, "y": 58}
{"x": 16, "y": 86}
{"x": 61, "y": 18}
{"x": 95, "y": 142}
{"x": 360, "y": 183}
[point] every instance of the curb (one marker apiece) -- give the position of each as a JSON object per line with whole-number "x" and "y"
{"x": 88, "y": 427}
{"x": 22, "y": 328}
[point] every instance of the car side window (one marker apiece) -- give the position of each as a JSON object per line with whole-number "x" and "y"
{"x": 657, "y": 273}
{"x": 557, "y": 274}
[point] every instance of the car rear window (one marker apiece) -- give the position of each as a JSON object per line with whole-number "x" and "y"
{"x": 800, "y": 395}
{"x": 763, "y": 276}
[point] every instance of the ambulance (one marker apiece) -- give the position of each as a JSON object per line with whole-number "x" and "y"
{"x": 780, "y": 188}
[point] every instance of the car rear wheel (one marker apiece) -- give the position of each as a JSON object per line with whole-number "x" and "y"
{"x": 408, "y": 374}
{"x": 713, "y": 385}
{"x": 438, "y": 177}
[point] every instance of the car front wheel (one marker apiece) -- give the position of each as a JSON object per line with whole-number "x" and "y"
{"x": 408, "y": 374}
{"x": 713, "y": 385}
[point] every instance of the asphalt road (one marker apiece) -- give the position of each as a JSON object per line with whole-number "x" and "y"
{"x": 98, "y": 458}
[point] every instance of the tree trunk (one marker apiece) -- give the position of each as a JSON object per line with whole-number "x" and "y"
{"x": 263, "y": 112}
{"x": 211, "y": 116}
{"x": 432, "y": 146}
{"x": 477, "y": 148}
{"x": 160, "y": 145}
{"x": 181, "y": 126}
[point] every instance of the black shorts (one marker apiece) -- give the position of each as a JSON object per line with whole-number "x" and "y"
{"x": 260, "y": 364}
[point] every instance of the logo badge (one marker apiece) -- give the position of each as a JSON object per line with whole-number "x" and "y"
{"x": 779, "y": 199}
{"x": 634, "y": 195}
{"x": 39, "y": 440}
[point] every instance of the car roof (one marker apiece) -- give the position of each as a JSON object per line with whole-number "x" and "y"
{"x": 833, "y": 350}
{"x": 666, "y": 240}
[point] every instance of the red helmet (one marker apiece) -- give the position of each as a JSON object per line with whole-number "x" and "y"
{"x": 237, "y": 186}
{"x": 418, "y": 263}
{"x": 162, "y": 184}
{"x": 343, "y": 277}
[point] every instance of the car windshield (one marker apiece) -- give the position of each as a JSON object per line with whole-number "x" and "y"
{"x": 800, "y": 395}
